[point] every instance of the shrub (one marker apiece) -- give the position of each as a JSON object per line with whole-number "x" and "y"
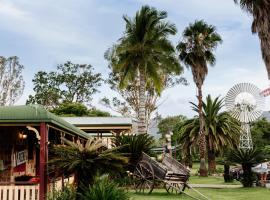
{"x": 104, "y": 189}
{"x": 133, "y": 146}
{"x": 85, "y": 161}
{"x": 68, "y": 193}
{"x": 247, "y": 158}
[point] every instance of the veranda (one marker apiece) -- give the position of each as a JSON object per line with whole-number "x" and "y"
{"x": 27, "y": 132}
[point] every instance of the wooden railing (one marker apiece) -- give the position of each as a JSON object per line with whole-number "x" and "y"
{"x": 19, "y": 192}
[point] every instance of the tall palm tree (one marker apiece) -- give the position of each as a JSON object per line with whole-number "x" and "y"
{"x": 222, "y": 131}
{"x": 196, "y": 52}
{"x": 259, "y": 9}
{"x": 145, "y": 52}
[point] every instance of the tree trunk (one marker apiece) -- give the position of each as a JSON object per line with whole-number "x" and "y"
{"x": 262, "y": 28}
{"x": 248, "y": 176}
{"x": 211, "y": 161}
{"x": 142, "y": 102}
{"x": 202, "y": 141}
{"x": 227, "y": 177}
{"x": 188, "y": 160}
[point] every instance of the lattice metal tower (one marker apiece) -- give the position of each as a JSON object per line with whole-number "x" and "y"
{"x": 245, "y": 103}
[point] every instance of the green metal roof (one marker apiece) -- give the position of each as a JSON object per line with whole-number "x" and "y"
{"x": 36, "y": 114}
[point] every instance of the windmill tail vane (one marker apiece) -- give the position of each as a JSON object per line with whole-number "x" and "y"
{"x": 265, "y": 92}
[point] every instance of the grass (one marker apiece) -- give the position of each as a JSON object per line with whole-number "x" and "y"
{"x": 195, "y": 168}
{"x": 214, "y": 194}
{"x": 210, "y": 180}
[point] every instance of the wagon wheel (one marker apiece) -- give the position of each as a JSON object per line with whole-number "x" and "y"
{"x": 174, "y": 187}
{"x": 144, "y": 177}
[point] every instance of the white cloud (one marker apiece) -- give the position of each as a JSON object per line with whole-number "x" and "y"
{"x": 55, "y": 31}
{"x": 9, "y": 9}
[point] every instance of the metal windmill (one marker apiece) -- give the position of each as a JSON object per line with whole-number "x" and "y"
{"x": 245, "y": 103}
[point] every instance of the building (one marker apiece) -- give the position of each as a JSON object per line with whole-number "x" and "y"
{"x": 104, "y": 128}
{"x": 27, "y": 132}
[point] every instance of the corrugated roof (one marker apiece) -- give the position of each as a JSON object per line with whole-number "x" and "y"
{"x": 35, "y": 114}
{"x": 79, "y": 121}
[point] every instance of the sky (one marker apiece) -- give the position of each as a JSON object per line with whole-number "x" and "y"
{"x": 45, "y": 33}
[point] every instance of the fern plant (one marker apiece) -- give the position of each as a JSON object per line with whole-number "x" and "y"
{"x": 104, "y": 189}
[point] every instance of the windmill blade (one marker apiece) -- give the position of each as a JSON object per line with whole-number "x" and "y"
{"x": 250, "y": 107}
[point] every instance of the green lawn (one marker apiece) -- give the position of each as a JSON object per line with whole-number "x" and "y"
{"x": 210, "y": 180}
{"x": 196, "y": 166}
{"x": 213, "y": 194}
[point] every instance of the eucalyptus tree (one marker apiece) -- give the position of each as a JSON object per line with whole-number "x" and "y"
{"x": 222, "y": 131}
{"x": 11, "y": 80}
{"x": 259, "y": 10}
{"x": 145, "y": 52}
{"x": 196, "y": 52}
{"x": 70, "y": 83}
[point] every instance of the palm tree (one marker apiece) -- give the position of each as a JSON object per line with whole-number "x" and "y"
{"x": 145, "y": 52}
{"x": 85, "y": 161}
{"x": 222, "y": 131}
{"x": 259, "y": 9}
{"x": 196, "y": 51}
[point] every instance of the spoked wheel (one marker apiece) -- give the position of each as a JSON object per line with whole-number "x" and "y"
{"x": 144, "y": 178}
{"x": 174, "y": 187}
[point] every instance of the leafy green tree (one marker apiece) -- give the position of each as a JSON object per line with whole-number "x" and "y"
{"x": 46, "y": 88}
{"x": 260, "y": 132}
{"x": 69, "y": 83}
{"x": 78, "y": 109}
{"x": 259, "y": 10}
{"x": 98, "y": 113}
{"x": 196, "y": 52}
{"x": 171, "y": 123}
{"x": 145, "y": 52}
{"x": 85, "y": 161}
{"x": 70, "y": 109}
{"x": 222, "y": 131}
{"x": 11, "y": 80}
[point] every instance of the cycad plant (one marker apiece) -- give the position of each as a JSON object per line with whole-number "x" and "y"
{"x": 247, "y": 158}
{"x": 85, "y": 161}
{"x": 133, "y": 146}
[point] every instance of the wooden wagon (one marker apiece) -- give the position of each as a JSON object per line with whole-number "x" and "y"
{"x": 172, "y": 174}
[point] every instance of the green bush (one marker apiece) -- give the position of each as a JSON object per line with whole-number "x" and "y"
{"x": 123, "y": 180}
{"x": 133, "y": 146}
{"x": 104, "y": 189}
{"x": 247, "y": 158}
{"x": 68, "y": 193}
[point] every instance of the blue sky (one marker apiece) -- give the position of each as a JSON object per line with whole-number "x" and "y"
{"x": 45, "y": 33}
